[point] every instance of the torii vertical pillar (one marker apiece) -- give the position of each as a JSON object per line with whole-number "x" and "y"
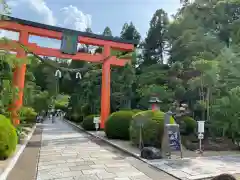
{"x": 19, "y": 77}
{"x": 105, "y": 90}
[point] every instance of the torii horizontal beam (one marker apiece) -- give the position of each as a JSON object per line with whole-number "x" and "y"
{"x": 14, "y": 46}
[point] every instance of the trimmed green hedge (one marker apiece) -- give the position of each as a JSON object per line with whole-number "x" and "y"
{"x": 117, "y": 125}
{"x": 135, "y": 111}
{"x": 75, "y": 117}
{"x": 8, "y": 138}
{"x": 152, "y": 130}
{"x": 88, "y": 124}
{"x": 188, "y": 125}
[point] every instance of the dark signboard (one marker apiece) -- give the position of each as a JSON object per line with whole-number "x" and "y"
{"x": 174, "y": 140}
{"x": 69, "y": 43}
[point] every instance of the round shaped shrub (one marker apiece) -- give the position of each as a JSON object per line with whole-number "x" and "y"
{"x": 88, "y": 124}
{"x": 3, "y": 117}
{"x": 8, "y": 138}
{"x": 135, "y": 111}
{"x": 152, "y": 130}
{"x": 28, "y": 114}
{"x": 74, "y": 117}
{"x": 117, "y": 125}
{"x": 189, "y": 125}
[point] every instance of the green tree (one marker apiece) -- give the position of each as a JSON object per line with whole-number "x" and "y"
{"x": 107, "y": 31}
{"x": 156, "y": 43}
{"x": 129, "y": 32}
{"x": 205, "y": 82}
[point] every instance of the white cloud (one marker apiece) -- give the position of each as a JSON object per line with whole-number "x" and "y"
{"x": 38, "y": 11}
{"x": 38, "y": 6}
{"x": 12, "y": 3}
{"x": 41, "y": 8}
{"x": 9, "y": 34}
{"x": 75, "y": 18}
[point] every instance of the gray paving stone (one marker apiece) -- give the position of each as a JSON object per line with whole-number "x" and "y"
{"x": 129, "y": 174}
{"x": 72, "y": 173}
{"x": 124, "y": 178}
{"x": 87, "y": 177}
{"x": 55, "y": 170}
{"x": 121, "y": 169}
{"x": 46, "y": 177}
{"x": 67, "y": 154}
{"x": 143, "y": 177}
{"x": 41, "y": 167}
{"x": 74, "y": 160}
{"x": 98, "y": 166}
{"x": 85, "y": 163}
{"x": 118, "y": 165}
{"x": 180, "y": 174}
{"x": 52, "y": 162}
{"x": 66, "y": 165}
{"x": 105, "y": 175}
{"x": 69, "y": 178}
{"x": 93, "y": 171}
{"x": 74, "y": 168}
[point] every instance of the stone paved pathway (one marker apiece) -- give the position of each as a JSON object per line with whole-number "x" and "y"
{"x": 193, "y": 167}
{"x": 67, "y": 154}
{"x": 201, "y": 167}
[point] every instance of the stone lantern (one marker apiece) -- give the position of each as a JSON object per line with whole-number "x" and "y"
{"x": 154, "y": 103}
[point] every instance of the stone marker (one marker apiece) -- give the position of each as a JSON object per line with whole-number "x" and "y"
{"x": 171, "y": 138}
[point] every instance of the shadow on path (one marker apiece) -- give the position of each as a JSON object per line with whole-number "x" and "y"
{"x": 25, "y": 168}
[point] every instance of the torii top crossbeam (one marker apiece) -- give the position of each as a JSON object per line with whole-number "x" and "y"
{"x": 116, "y": 42}
{"x": 53, "y": 32}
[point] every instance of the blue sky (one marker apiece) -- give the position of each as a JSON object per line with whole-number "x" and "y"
{"x": 96, "y": 14}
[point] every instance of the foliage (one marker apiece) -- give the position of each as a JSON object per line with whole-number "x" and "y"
{"x": 88, "y": 124}
{"x": 27, "y": 114}
{"x": 75, "y": 117}
{"x": 62, "y": 102}
{"x": 188, "y": 125}
{"x": 8, "y": 138}
{"x": 117, "y": 125}
{"x": 155, "y": 42}
{"x": 135, "y": 111}
{"x": 205, "y": 82}
{"x": 226, "y": 115}
{"x": 60, "y": 105}
{"x": 41, "y": 101}
{"x": 152, "y": 131}
{"x": 19, "y": 131}
{"x": 129, "y": 32}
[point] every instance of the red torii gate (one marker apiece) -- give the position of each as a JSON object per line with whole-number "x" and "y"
{"x": 27, "y": 28}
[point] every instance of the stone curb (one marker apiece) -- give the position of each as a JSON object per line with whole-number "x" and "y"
{"x": 15, "y": 158}
{"x": 38, "y": 156}
{"x": 118, "y": 147}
